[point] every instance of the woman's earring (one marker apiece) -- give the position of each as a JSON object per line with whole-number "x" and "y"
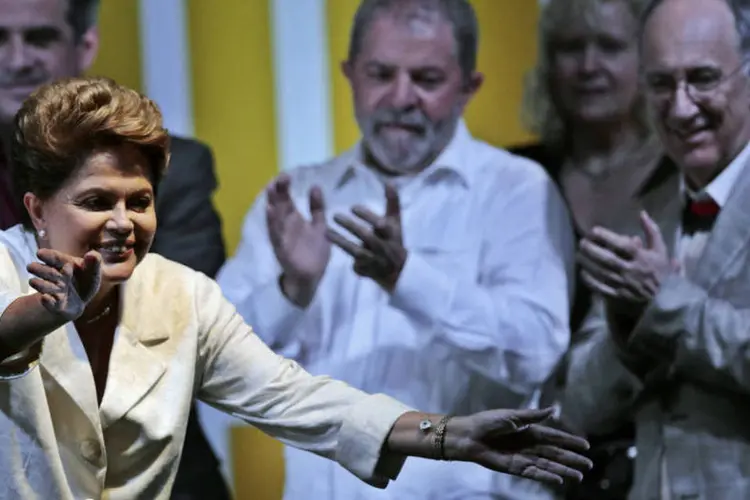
{"x": 42, "y": 233}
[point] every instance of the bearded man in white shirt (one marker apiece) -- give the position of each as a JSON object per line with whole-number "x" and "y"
{"x": 422, "y": 263}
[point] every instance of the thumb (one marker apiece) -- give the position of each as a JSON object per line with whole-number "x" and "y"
{"x": 317, "y": 206}
{"x": 90, "y": 275}
{"x": 90, "y": 267}
{"x": 92, "y": 260}
{"x": 654, "y": 240}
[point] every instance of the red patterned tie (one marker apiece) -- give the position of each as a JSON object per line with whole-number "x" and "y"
{"x": 699, "y": 215}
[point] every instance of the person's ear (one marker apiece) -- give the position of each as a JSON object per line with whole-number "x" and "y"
{"x": 472, "y": 84}
{"x": 347, "y": 68}
{"x": 88, "y": 48}
{"x": 35, "y": 208}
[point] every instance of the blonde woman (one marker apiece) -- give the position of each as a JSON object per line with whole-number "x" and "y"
{"x": 583, "y": 101}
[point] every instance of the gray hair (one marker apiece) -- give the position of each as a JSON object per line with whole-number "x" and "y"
{"x": 82, "y": 15}
{"x": 459, "y": 13}
{"x": 740, "y": 10}
{"x": 539, "y": 113}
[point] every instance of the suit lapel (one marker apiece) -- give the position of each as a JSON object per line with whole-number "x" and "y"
{"x": 64, "y": 360}
{"x": 729, "y": 237}
{"x": 133, "y": 370}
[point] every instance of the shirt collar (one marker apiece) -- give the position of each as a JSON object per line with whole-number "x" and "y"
{"x": 452, "y": 162}
{"x": 720, "y": 188}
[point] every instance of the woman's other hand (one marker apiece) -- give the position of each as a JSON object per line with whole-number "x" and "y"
{"x": 516, "y": 442}
{"x": 66, "y": 283}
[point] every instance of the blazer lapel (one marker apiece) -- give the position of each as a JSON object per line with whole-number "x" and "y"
{"x": 64, "y": 360}
{"x": 729, "y": 236}
{"x": 133, "y": 370}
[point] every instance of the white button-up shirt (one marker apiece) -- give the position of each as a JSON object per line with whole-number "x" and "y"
{"x": 478, "y": 318}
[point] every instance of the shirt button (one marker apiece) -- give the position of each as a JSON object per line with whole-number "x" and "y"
{"x": 90, "y": 450}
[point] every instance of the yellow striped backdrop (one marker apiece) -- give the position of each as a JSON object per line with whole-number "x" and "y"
{"x": 234, "y": 111}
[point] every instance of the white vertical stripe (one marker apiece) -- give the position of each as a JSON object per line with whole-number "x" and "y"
{"x": 165, "y": 58}
{"x": 302, "y": 83}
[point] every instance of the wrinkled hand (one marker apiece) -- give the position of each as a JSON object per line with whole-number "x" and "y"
{"x": 382, "y": 255}
{"x": 300, "y": 245}
{"x": 622, "y": 268}
{"x": 515, "y": 442}
{"x": 67, "y": 284}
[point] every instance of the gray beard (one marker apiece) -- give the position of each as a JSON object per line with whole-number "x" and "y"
{"x": 423, "y": 152}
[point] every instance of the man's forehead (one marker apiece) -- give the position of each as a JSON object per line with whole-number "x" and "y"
{"x": 418, "y": 22}
{"x": 389, "y": 35}
{"x": 676, "y": 34}
{"x": 32, "y": 12}
{"x": 415, "y": 16}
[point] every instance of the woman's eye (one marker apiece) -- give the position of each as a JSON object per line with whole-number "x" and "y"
{"x": 95, "y": 204}
{"x": 141, "y": 203}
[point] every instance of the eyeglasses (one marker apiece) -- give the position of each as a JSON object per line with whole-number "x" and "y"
{"x": 700, "y": 84}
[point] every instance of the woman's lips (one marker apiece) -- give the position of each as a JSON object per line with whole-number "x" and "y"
{"x": 116, "y": 252}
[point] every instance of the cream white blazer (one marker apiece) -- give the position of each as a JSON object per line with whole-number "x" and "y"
{"x": 178, "y": 338}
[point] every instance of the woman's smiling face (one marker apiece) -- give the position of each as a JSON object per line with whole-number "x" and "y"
{"x": 107, "y": 206}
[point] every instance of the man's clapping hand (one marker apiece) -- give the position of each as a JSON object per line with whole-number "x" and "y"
{"x": 300, "y": 245}
{"x": 624, "y": 269}
{"x": 380, "y": 255}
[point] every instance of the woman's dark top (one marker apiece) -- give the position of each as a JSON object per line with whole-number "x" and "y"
{"x": 612, "y": 475}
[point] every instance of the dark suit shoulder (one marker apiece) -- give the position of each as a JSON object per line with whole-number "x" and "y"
{"x": 187, "y": 143}
{"x": 191, "y": 163}
{"x": 188, "y": 150}
{"x": 189, "y": 225}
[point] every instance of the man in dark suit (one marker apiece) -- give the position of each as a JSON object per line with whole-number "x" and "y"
{"x": 44, "y": 40}
{"x": 189, "y": 227}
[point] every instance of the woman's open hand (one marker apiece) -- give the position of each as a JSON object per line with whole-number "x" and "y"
{"x": 66, "y": 283}
{"x": 515, "y": 442}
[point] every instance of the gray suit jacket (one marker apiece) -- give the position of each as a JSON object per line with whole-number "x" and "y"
{"x": 684, "y": 376}
{"x": 189, "y": 229}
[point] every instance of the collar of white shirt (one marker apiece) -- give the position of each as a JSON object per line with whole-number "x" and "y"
{"x": 453, "y": 162}
{"x": 720, "y": 188}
